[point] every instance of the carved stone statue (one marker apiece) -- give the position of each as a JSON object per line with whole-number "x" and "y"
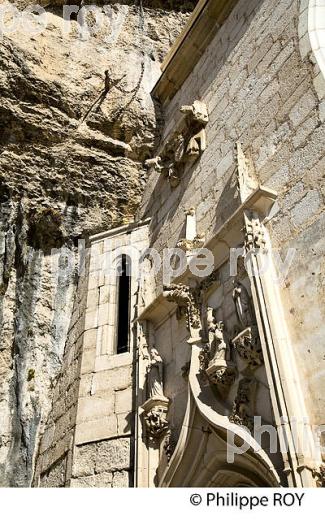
{"x": 214, "y": 358}
{"x": 247, "y": 342}
{"x": 155, "y": 375}
{"x": 218, "y": 344}
{"x": 156, "y": 406}
{"x": 243, "y": 305}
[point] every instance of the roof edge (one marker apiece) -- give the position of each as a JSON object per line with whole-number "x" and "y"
{"x": 206, "y": 19}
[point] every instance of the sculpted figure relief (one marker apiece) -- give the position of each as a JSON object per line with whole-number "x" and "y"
{"x": 215, "y": 358}
{"x": 243, "y": 304}
{"x": 155, "y": 375}
{"x": 247, "y": 342}
{"x": 218, "y": 347}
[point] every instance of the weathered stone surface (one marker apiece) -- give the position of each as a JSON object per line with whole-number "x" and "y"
{"x": 69, "y": 168}
{"x": 121, "y": 479}
{"x": 84, "y": 460}
{"x": 113, "y": 455}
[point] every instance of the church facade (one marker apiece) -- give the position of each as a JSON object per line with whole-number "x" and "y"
{"x": 195, "y": 355}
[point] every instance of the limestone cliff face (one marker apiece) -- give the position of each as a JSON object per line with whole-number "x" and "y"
{"x": 71, "y": 164}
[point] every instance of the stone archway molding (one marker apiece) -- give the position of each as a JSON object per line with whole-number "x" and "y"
{"x": 204, "y": 436}
{"x": 311, "y": 32}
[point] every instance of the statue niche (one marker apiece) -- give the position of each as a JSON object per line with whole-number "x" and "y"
{"x": 217, "y": 364}
{"x": 156, "y": 406}
{"x": 247, "y": 342}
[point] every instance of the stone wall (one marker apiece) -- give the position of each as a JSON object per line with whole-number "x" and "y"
{"x": 261, "y": 92}
{"x": 71, "y": 165}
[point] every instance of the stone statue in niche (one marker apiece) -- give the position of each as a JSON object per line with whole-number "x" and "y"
{"x": 155, "y": 375}
{"x": 157, "y": 404}
{"x": 218, "y": 366}
{"x": 218, "y": 344}
{"x": 247, "y": 342}
{"x": 242, "y": 304}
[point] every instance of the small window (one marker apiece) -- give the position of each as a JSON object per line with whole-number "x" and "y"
{"x": 123, "y": 305}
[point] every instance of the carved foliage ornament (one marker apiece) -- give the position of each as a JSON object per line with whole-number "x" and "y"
{"x": 188, "y": 142}
{"x": 254, "y": 233}
{"x": 187, "y": 303}
{"x": 243, "y": 404}
{"x": 248, "y": 346}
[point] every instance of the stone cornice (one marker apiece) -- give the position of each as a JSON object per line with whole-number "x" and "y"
{"x": 206, "y": 19}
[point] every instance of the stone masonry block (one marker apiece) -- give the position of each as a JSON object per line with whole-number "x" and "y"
{"x": 113, "y": 455}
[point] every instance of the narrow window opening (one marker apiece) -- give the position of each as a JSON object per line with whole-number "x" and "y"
{"x": 123, "y": 305}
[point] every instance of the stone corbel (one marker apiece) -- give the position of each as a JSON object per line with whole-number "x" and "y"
{"x": 319, "y": 475}
{"x": 155, "y": 412}
{"x": 187, "y": 142}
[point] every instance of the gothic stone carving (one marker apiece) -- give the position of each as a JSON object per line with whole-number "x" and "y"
{"x": 170, "y": 444}
{"x": 187, "y": 304}
{"x": 215, "y": 358}
{"x": 254, "y": 233}
{"x": 188, "y": 142}
{"x": 155, "y": 417}
{"x": 190, "y": 245}
{"x": 243, "y": 404}
{"x": 247, "y": 342}
{"x": 156, "y": 407}
{"x": 319, "y": 475}
{"x": 248, "y": 346}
